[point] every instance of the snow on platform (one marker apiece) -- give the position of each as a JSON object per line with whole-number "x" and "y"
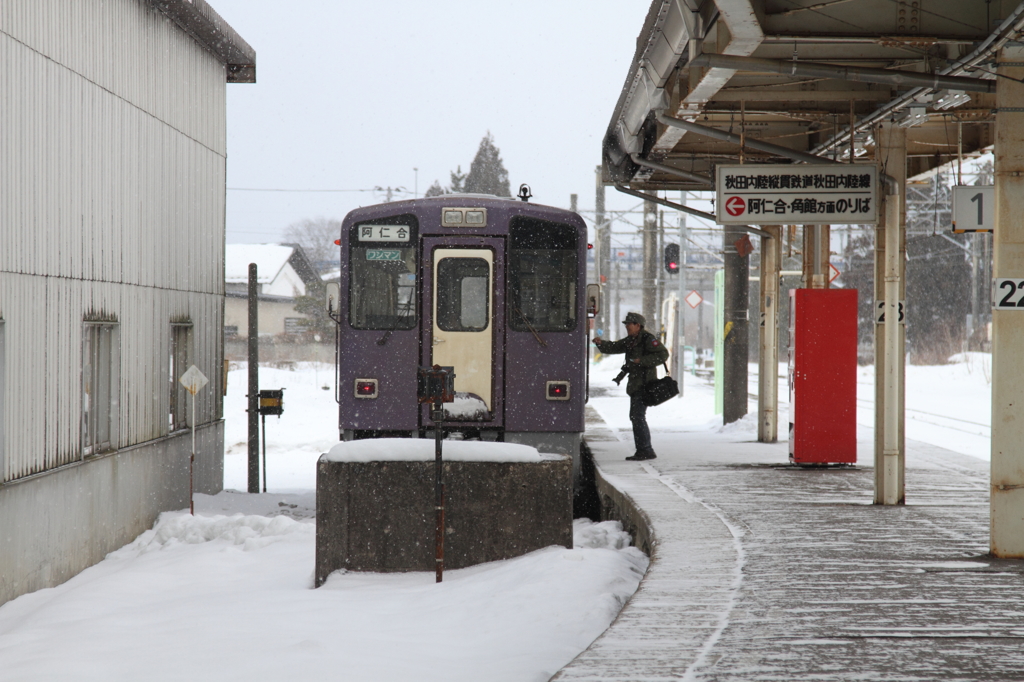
{"x": 763, "y": 571}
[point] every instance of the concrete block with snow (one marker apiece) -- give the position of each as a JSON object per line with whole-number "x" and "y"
{"x": 375, "y": 504}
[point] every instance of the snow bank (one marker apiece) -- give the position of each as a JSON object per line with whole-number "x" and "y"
{"x": 422, "y": 450}
{"x": 248, "y": 531}
{"x": 230, "y": 598}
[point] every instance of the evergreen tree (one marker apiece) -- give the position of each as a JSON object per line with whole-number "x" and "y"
{"x": 458, "y": 181}
{"x": 435, "y": 190}
{"x": 487, "y": 174}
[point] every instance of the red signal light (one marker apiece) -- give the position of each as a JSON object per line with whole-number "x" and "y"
{"x": 337, "y": 242}
{"x": 558, "y": 390}
{"x": 366, "y": 388}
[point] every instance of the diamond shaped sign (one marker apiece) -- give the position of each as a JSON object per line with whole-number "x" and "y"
{"x": 193, "y": 380}
{"x": 693, "y": 299}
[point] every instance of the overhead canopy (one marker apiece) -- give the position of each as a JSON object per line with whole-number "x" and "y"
{"x": 792, "y": 74}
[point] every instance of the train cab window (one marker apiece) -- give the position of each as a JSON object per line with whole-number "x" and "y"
{"x": 382, "y": 272}
{"x": 542, "y": 275}
{"x": 463, "y": 293}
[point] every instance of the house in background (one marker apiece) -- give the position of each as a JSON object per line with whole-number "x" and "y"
{"x": 283, "y": 275}
{"x": 112, "y": 179}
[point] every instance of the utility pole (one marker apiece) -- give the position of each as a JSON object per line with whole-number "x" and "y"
{"x": 734, "y": 361}
{"x": 604, "y": 252}
{"x": 254, "y": 383}
{"x": 650, "y": 263}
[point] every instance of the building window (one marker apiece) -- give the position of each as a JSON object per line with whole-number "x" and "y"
{"x": 181, "y": 360}
{"x": 230, "y": 330}
{"x": 100, "y": 387}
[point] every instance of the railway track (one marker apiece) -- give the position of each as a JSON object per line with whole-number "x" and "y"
{"x": 942, "y": 421}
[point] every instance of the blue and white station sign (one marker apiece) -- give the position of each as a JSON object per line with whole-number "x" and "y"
{"x": 797, "y": 194}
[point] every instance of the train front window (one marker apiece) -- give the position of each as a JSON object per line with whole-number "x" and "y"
{"x": 542, "y": 276}
{"x": 463, "y": 293}
{"x": 382, "y": 271}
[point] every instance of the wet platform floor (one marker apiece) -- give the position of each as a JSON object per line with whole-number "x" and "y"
{"x": 764, "y": 571}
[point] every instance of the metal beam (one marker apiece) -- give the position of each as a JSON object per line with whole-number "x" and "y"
{"x": 800, "y": 69}
{"x": 717, "y": 134}
{"x": 672, "y": 170}
{"x": 687, "y": 209}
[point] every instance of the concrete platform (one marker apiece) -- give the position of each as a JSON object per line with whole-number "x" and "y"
{"x": 762, "y": 571}
{"x": 376, "y": 512}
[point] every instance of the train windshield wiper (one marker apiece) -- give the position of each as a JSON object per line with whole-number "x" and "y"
{"x": 530, "y": 327}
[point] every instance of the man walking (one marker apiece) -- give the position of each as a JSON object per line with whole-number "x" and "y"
{"x": 643, "y": 355}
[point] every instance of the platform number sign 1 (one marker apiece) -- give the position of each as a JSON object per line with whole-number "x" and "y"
{"x": 1008, "y": 293}
{"x": 974, "y": 208}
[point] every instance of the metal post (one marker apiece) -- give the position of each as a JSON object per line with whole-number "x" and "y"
{"x": 680, "y": 350}
{"x": 650, "y": 245}
{"x": 616, "y": 295}
{"x": 768, "y": 358}
{"x": 891, "y": 462}
{"x": 438, "y": 418}
{"x": 192, "y": 463}
{"x": 975, "y": 303}
{"x": 735, "y": 331}
{"x": 1007, "y": 491}
{"x": 659, "y": 269}
{"x": 254, "y": 383}
{"x": 890, "y": 257}
{"x": 263, "y": 417}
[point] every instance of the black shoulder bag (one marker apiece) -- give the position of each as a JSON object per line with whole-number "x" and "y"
{"x": 658, "y": 391}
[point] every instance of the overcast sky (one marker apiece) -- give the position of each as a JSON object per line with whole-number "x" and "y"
{"x": 355, "y": 95}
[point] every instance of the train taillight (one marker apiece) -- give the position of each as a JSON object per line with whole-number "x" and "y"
{"x": 366, "y": 388}
{"x": 557, "y": 390}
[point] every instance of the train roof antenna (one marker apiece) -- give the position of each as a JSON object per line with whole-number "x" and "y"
{"x": 524, "y": 192}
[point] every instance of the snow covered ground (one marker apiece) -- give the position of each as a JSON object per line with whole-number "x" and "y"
{"x": 228, "y": 595}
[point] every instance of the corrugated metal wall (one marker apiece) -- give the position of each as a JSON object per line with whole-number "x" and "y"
{"x": 112, "y": 162}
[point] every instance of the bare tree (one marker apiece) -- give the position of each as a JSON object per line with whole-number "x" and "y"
{"x": 316, "y": 237}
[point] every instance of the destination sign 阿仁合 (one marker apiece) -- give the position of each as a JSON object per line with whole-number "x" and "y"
{"x": 797, "y": 194}
{"x": 384, "y": 233}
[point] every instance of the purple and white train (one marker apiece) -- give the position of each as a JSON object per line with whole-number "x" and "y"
{"x": 495, "y": 288}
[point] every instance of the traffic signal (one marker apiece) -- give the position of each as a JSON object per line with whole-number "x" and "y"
{"x": 672, "y": 258}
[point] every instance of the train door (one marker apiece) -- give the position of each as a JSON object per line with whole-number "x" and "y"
{"x": 462, "y": 301}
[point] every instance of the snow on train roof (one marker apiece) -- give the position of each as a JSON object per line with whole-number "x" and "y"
{"x": 269, "y": 259}
{"x": 422, "y": 450}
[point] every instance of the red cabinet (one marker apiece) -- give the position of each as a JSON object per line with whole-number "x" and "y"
{"x": 823, "y": 376}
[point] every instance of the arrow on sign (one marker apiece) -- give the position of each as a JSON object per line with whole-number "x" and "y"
{"x": 735, "y": 206}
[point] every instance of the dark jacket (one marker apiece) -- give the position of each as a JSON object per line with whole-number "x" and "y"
{"x": 644, "y": 347}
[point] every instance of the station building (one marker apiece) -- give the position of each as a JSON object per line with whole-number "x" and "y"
{"x": 112, "y": 203}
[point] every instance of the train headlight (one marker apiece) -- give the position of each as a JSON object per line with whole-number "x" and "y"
{"x": 557, "y": 390}
{"x": 366, "y": 388}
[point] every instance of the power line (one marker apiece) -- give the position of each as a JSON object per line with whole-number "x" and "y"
{"x": 397, "y": 190}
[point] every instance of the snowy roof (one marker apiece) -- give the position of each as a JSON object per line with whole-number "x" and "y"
{"x": 269, "y": 259}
